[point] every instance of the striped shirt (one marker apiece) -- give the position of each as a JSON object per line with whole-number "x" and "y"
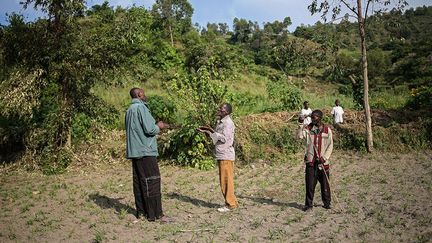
{"x": 223, "y": 139}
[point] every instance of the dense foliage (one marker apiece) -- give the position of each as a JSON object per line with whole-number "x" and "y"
{"x": 398, "y": 52}
{"x": 49, "y": 69}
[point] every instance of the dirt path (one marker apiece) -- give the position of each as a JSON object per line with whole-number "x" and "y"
{"x": 382, "y": 197}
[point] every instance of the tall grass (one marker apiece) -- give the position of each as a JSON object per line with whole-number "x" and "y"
{"x": 118, "y": 96}
{"x": 248, "y": 94}
{"x": 327, "y": 101}
{"x": 389, "y": 98}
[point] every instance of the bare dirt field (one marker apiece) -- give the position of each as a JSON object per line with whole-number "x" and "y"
{"x": 381, "y": 197}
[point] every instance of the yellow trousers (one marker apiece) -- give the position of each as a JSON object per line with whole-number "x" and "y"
{"x": 226, "y": 178}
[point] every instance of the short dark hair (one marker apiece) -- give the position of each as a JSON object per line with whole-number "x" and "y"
{"x": 318, "y": 113}
{"x": 134, "y": 92}
{"x": 305, "y": 102}
{"x": 228, "y": 107}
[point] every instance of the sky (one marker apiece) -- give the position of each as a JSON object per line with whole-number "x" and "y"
{"x": 214, "y": 11}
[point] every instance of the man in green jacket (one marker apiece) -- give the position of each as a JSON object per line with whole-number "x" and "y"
{"x": 141, "y": 148}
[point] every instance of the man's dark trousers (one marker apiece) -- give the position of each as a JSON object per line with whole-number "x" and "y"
{"x": 312, "y": 175}
{"x": 147, "y": 187}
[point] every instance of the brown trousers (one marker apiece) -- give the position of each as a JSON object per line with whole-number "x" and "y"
{"x": 226, "y": 178}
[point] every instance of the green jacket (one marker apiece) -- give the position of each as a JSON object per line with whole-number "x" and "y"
{"x": 141, "y": 131}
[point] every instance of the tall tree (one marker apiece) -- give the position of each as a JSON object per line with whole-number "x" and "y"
{"x": 62, "y": 15}
{"x": 52, "y": 65}
{"x": 359, "y": 9}
{"x": 173, "y": 16}
{"x": 278, "y": 28}
{"x": 243, "y": 30}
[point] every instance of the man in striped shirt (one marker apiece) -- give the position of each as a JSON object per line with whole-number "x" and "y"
{"x": 223, "y": 139}
{"x": 319, "y": 146}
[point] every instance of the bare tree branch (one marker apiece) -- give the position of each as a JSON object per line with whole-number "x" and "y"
{"x": 349, "y": 7}
{"x": 346, "y": 15}
{"x": 367, "y": 8}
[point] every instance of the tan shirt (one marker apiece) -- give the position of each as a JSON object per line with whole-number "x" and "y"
{"x": 326, "y": 143}
{"x": 223, "y": 139}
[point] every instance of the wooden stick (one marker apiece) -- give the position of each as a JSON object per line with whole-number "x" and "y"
{"x": 197, "y": 230}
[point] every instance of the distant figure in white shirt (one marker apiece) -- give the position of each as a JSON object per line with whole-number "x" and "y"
{"x": 337, "y": 113}
{"x": 305, "y": 114}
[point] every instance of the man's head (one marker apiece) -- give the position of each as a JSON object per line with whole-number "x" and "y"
{"x": 316, "y": 117}
{"x": 337, "y": 103}
{"x": 305, "y": 104}
{"x": 137, "y": 93}
{"x": 134, "y": 93}
{"x": 224, "y": 110}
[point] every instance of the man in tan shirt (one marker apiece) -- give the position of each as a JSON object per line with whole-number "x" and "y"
{"x": 319, "y": 146}
{"x": 223, "y": 139}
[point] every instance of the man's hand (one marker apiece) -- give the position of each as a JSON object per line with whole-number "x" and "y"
{"x": 205, "y": 128}
{"x": 322, "y": 160}
{"x": 322, "y": 165}
{"x": 207, "y": 132}
{"x": 161, "y": 125}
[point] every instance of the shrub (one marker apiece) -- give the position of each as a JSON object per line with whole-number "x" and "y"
{"x": 102, "y": 112}
{"x": 245, "y": 103}
{"x": 286, "y": 97}
{"x": 350, "y": 139}
{"x": 12, "y": 132}
{"x": 198, "y": 96}
{"x": 379, "y": 63}
{"x": 161, "y": 108}
{"x": 54, "y": 160}
{"x": 219, "y": 58}
{"x": 189, "y": 148}
{"x": 81, "y": 124}
{"x": 421, "y": 98}
{"x": 346, "y": 63}
{"x": 258, "y": 141}
{"x": 164, "y": 56}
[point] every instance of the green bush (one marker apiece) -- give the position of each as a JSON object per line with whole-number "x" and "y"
{"x": 286, "y": 97}
{"x": 388, "y": 98}
{"x": 220, "y": 59}
{"x": 346, "y": 63}
{"x": 199, "y": 97}
{"x": 12, "y": 132}
{"x": 189, "y": 148}
{"x": 379, "y": 63}
{"x": 164, "y": 56}
{"x": 81, "y": 125}
{"x": 161, "y": 108}
{"x": 348, "y": 139}
{"x": 103, "y": 113}
{"x": 421, "y": 98}
{"x": 262, "y": 142}
{"x": 54, "y": 160}
{"x": 245, "y": 103}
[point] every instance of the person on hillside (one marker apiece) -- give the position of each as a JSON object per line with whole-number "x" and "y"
{"x": 319, "y": 146}
{"x": 141, "y": 148}
{"x": 305, "y": 114}
{"x": 337, "y": 113}
{"x": 223, "y": 139}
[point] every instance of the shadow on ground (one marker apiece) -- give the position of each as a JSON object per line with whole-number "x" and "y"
{"x": 107, "y": 202}
{"x": 194, "y": 201}
{"x": 263, "y": 200}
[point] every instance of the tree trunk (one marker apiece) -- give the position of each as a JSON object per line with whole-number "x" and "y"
{"x": 361, "y": 22}
{"x": 171, "y": 35}
{"x": 66, "y": 115}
